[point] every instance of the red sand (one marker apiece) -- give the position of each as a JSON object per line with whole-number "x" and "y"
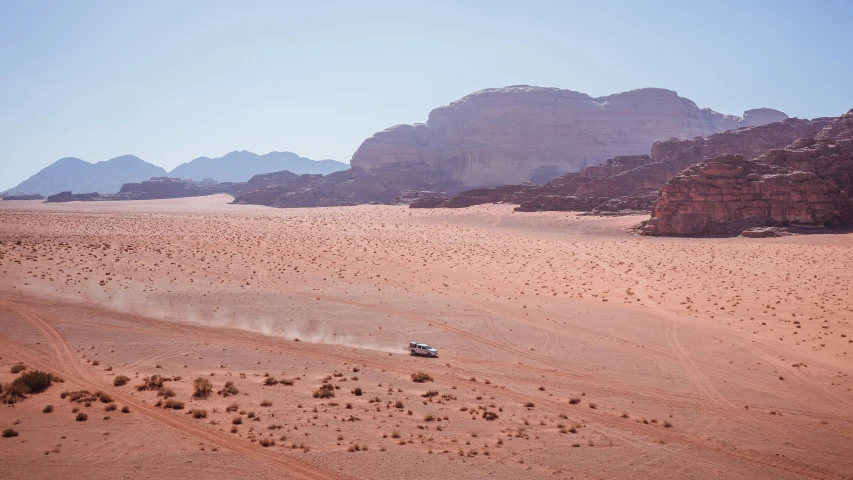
{"x": 688, "y": 349}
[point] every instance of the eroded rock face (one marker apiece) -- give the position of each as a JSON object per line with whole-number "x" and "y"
{"x": 73, "y": 197}
{"x": 522, "y": 133}
{"x": 419, "y": 199}
{"x": 165, "y": 187}
{"x": 286, "y": 190}
{"x": 639, "y": 176}
{"x": 808, "y": 183}
{"x": 729, "y": 194}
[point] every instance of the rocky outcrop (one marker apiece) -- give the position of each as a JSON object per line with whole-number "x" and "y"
{"x": 155, "y": 188}
{"x": 22, "y": 196}
{"x": 348, "y": 187}
{"x": 165, "y": 187}
{"x": 808, "y": 183}
{"x": 523, "y": 133}
{"x": 419, "y": 199}
{"x": 643, "y": 175}
{"x": 73, "y": 197}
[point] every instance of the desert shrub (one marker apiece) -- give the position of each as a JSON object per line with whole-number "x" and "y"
{"x": 593, "y": 405}
{"x": 667, "y": 424}
{"x": 487, "y": 415}
{"x": 286, "y": 381}
{"x": 110, "y": 407}
{"x": 48, "y": 409}
{"x": 430, "y": 394}
{"x": 421, "y": 377}
{"x": 574, "y": 401}
{"x": 398, "y": 404}
{"x": 228, "y": 390}
{"x": 429, "y": 418}
{"x": 154, "y": 382}
{"x": 198, "y": 413}
{"x": 165, "y": 392}
{"x": 13, "y": 392}
{"x": 104, "y": 397}
{"x": 174, "y": 404}
{"x": 8, "y": 433}
{"x": 267, "y": 442}
{"x": 357, "y": 391}
{"x": 36, "y": 381}
{"x": 270, "y": 381}
{"x": 326, "y": 390}
{"x": 529, "y": 404}
{"x": 202, "y": 387}
{"x": 81, "y": 417}
{"x": 121, "y": 380}
{"x": 266, "y": 403}
{"x": 18, "y": 368}
{"x": 232, "y": 408}
{"x": 125, "y": 409}
{"x": 237, "y": 420}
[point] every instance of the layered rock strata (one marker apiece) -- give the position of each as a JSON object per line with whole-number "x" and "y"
{"x": 809, "y": 183}
{"x": 638, "y": 176}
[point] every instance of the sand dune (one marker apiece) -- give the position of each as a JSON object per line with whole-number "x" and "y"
{"x": 602, "y": 354}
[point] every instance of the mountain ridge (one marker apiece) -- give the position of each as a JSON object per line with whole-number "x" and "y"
{"x": 108, "y": 176}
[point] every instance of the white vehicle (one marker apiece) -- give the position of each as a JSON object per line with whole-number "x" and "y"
{"x": 422, "y": 349}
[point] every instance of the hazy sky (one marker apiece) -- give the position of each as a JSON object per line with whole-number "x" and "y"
{"x": 169, "y": 81}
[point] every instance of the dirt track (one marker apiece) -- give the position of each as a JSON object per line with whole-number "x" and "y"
{"x": 740, "y": 346}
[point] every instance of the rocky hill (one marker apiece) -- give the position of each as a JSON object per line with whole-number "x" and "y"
{"x": 633, "y": 180}
{"x": 73, "y": 174}
{"x": 155, "y": 188}
{"x": 808, "y": 183}
{"x": 241, "y": 166}
{"x": 523, "y": 133}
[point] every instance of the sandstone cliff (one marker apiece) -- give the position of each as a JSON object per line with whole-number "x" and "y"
{"x": 808, "y": 183}
{"x": 638, "y": 176}
{"x": 522, "y": 133}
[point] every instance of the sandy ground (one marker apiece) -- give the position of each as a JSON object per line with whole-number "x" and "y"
{"x": 602, "y": 353}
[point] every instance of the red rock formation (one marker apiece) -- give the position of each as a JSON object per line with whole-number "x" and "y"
{"x": 643, "y": 175}
{"x": 808, "y": 183}
{"x": 522, "y": 133}
{"x": 729, "y": 194}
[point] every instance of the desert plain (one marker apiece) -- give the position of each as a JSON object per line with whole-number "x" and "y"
{"x": 569, "y": 346}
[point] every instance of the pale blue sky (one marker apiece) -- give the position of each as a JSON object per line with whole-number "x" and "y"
{"x": 172, "y": 80}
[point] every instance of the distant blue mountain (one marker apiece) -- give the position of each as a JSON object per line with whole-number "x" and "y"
{"x": 73, "y": 174}
{"x": 243, "y": 165}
